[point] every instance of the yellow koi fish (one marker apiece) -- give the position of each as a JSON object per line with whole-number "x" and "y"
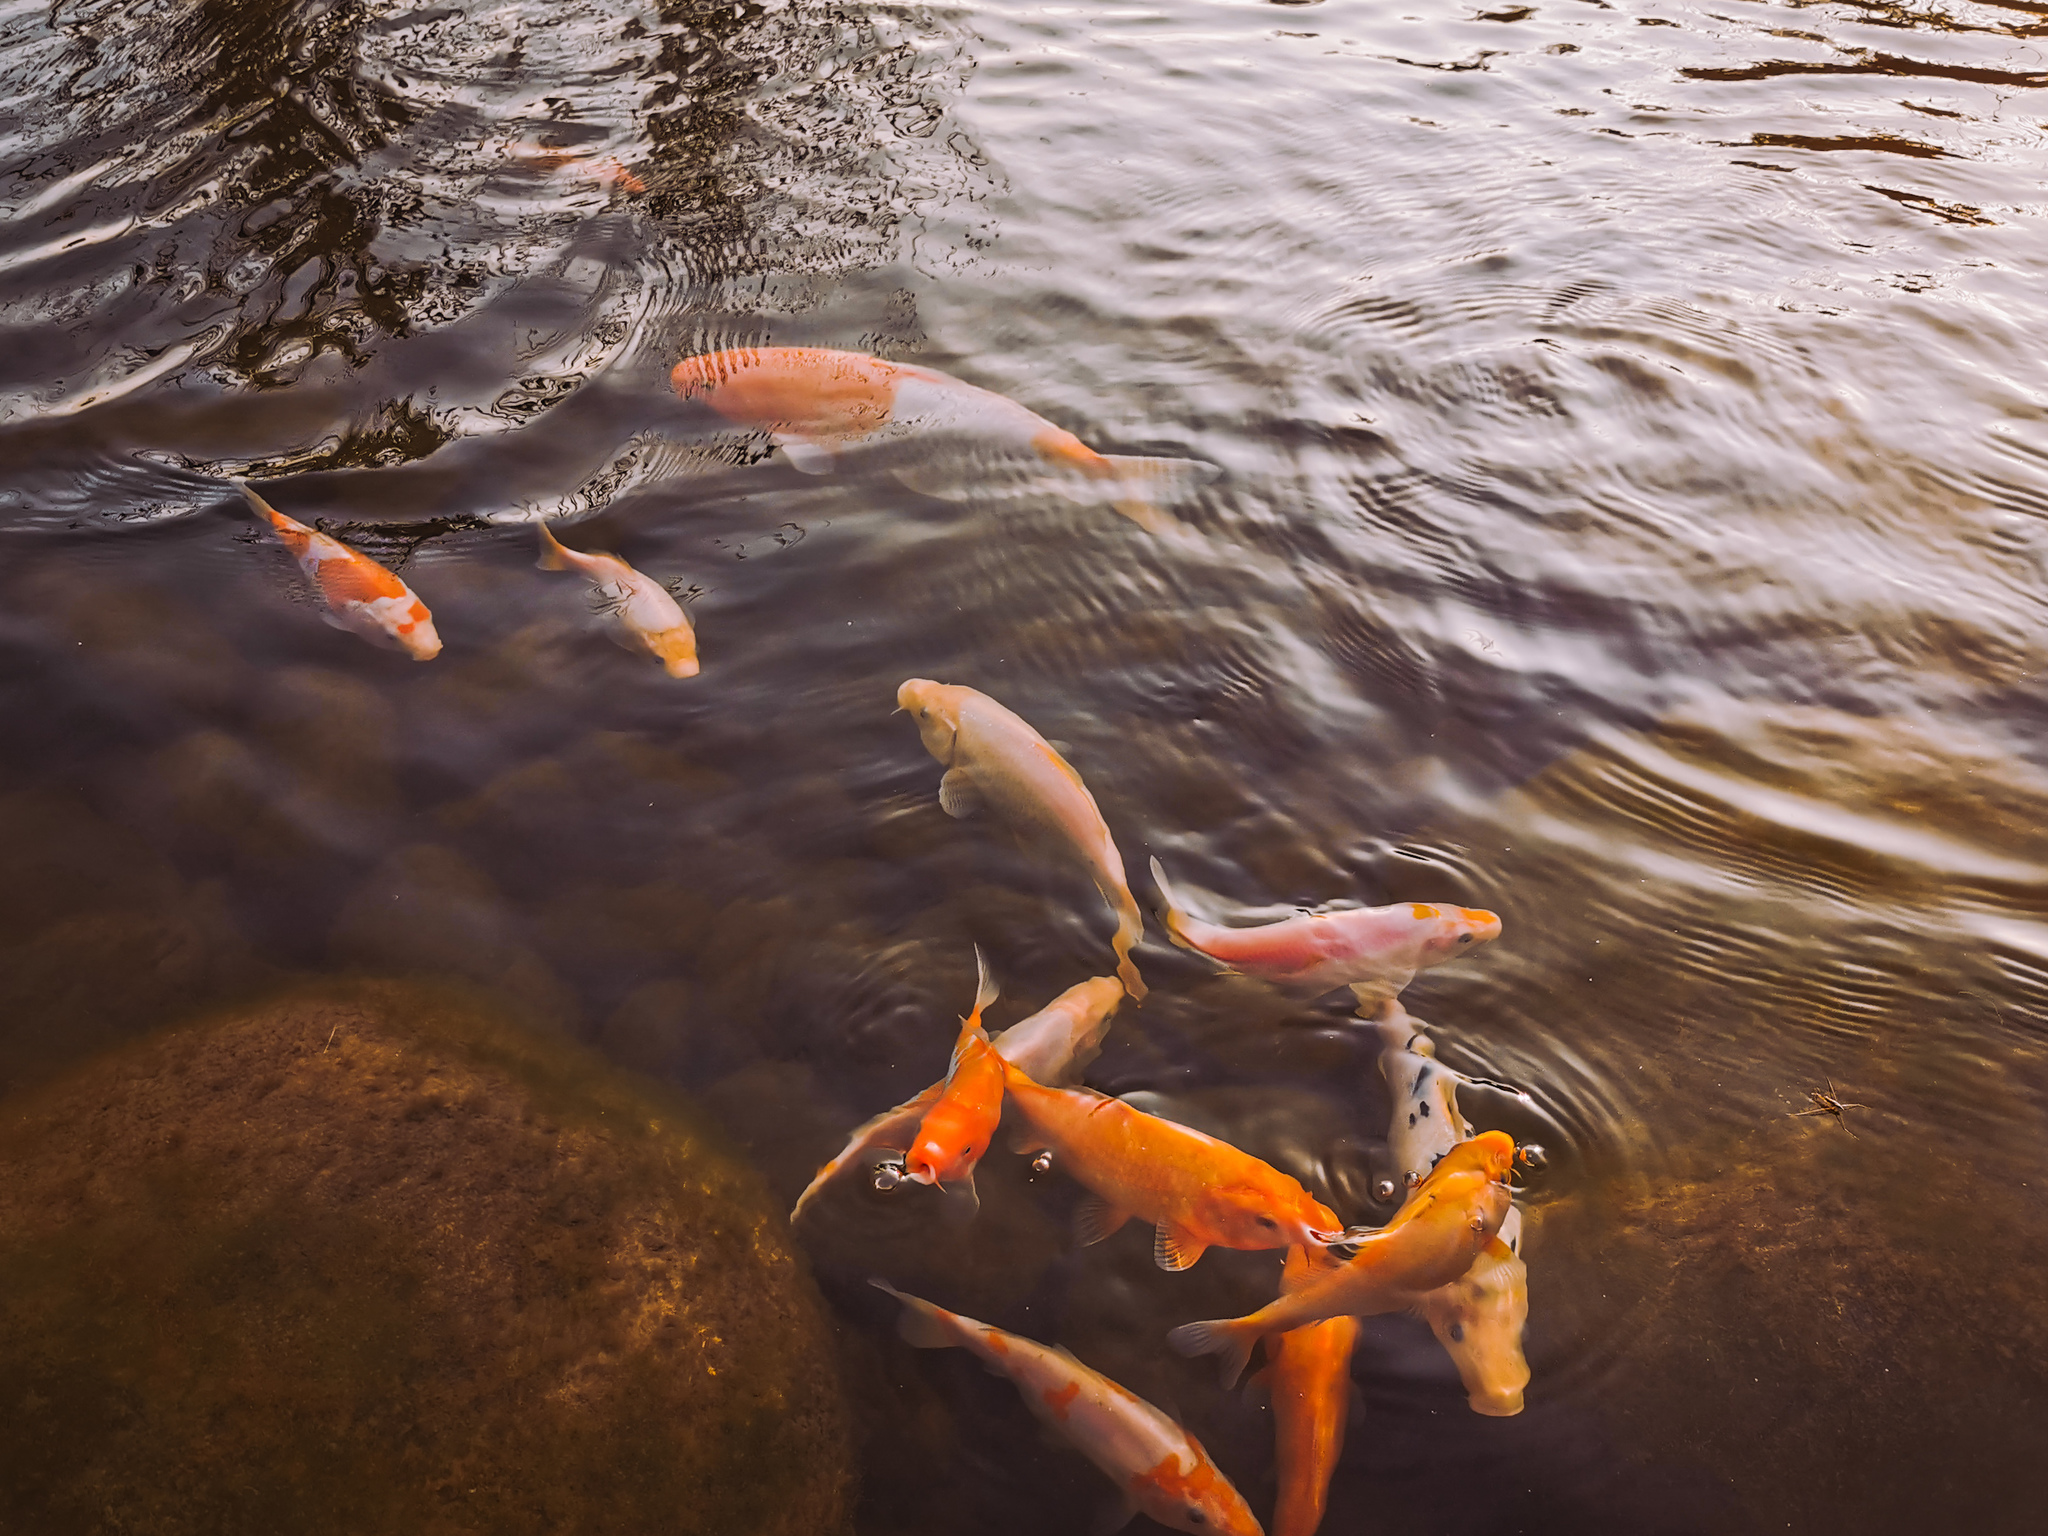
{"x": 1160, "y": 1468}
{"x": 643, "y": 615}
{"x": 1197, "y": 1192}
{"x": 1375, "y": 951}
{"x": 1310, "y": 1380}
{"x": 1053, "y": 1045}
{"x": 1431, "y": 1241}
{"x": 992, "y": 757}
{"x": 362, "y": 597}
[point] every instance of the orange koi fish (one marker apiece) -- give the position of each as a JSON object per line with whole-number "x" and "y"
{"x": 993, "y": 758}
{"x": 1199, "y": 1193}
{"x": 643, "y": 615}
{"x": 1161, "y": 1469}
{"x": 1375, "y": 951}
{"x": 1310, "y": 1379}
{"x": 956, "y": 1130}
{"x": 1479, "y": 1318}
{"x": 362, "y": 597}
{"x": 607, "y": 171}
{"x": 816, "y": 404}
{"x": 1053, "y": 1045}
{"x": 1431, "y": 1241}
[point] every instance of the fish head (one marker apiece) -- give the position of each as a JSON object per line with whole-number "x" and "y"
{"x": 936, "y": 709}
{"x": 1479, "y": 1319}
{"x": 1491, "y": 1153}
{"x": 1453, "y": 931}
{"x": 676, "y": 649}
{"x": 421, "y": 640}
{"x": 1276, "y": 1213}
{"x": 1200, "y": 1500}
{"x": 927, "y": 1161}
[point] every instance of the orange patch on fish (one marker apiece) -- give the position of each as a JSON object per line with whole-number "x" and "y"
{"x": 1424, "y": 912}
{"x": 1063, "y": 1399}
{"x": 1168, "y": 1480}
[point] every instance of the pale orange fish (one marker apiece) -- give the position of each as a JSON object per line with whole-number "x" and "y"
{"x": 1197, "y": 1192}
{"x": 643, "y": 615}
{"x": 1053, "y": 1045}
{"x": 1161, "y": 1469}
{"x": 992, "y": 757}
{"x": 606, "y": 171}
{"x": 1479, "y": 1318}
{"x": 1310, "y": 1382}
{"x": 1375, "y": 951}
{"x": 1432, "y": 1240}
{"x": 362, "y": 597}
{"x": 958, "y": 1126}
{"x": 816, "y": 403}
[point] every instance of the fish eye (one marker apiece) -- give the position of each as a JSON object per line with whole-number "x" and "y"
{"x": 1269, "y": 1224}
{"x": 1464, "y": 938}
{"x": 1196, "y": 1517}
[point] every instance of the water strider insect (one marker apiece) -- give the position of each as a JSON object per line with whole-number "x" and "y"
{"x": 1829, "y": 1103}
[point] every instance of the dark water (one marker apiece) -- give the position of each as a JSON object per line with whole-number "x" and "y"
{"x": 1634, "y": 520}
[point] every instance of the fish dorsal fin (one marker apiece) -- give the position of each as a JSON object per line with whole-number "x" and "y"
{"x": 958, "y": 796}
{"x": 1173, "y": 1248}
{"x": 1096, "y": 1219}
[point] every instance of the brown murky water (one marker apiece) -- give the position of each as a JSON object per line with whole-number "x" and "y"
{"x": 1633, "y": 519}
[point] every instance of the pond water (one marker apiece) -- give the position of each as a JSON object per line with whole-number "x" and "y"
{"x": 1633, "y": 519}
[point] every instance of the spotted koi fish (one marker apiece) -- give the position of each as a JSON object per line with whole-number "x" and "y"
{"x": 643, "y": 615}
{"x": 816, "y": 404}
{"x": 1375, "y": 951}
{"x": 1159, "y": 1467}
{"x": 1197, "y": 1192}
{"x": 1431, "y": 1241}
{"x": 362, "y": 597}
{"x": 1053, "y": 1045}
{"x": 993, "y": 758}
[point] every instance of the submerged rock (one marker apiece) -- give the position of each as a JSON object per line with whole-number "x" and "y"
{"x": 365, "y": 1259}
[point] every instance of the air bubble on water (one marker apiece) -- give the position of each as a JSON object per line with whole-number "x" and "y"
{"x": 888, "y": 1176}
{"x": 1043, "y": 1162}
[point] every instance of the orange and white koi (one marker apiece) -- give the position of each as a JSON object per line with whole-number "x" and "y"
{"x": 362, "y": 597}
{"x": 1053, "y": 1045}
{"x": 816, "y": 404}
{"x": 993, "y": 758}
{"x": 643, "y": 615}
{"x": 958, "y": 1127}
{"x": 607, "y": 171}
{"x": 1478, "y": 1317}
{"x": 1159, "y": 1467}
{"x": 1310, "y": 1380}
{"x": 1375, "y": 951}
{"x": 1197, "y": 1192}
{"x": 1431, "y": 1241}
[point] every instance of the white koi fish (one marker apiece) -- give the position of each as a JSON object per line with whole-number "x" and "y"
{"x": 362, "y": 597}
{"x": 1160, "y": 1468}
{"x": 993, "y": 758}
{"x": 1053, "y": 1045}
{"x": 1375, "y": 951}
{"x": 815, "y": 404}
{"x": 644, "y": 617}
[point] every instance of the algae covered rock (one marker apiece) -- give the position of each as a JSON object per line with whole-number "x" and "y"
{"x": 365, "y": 1259}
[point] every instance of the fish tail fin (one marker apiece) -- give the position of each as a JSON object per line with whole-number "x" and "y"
{"x": 1130, "y": 930}
{"x": 1228, "y": 1337}
{"x": 553, "y": 556}
{"x": 922, "y": 1325}
{"x": 1143, "y": 483}
{"x": 267, "y": 512}
{"x": 1169, "y": 912}
{"x": 985, "y": 989}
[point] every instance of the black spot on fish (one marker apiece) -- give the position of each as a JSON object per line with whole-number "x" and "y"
{"x": 1425, "y": 1111}
{"x": 1411, "y": 1119}
{"x": 1457, "y": 1333}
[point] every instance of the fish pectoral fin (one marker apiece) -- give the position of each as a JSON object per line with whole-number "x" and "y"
{"x": 1175, "y": 1248}
{"x": 1096, "y": 1219}
{"x": 959, "y": 1199}
{"x": 804, "y": 455}
{"x": 1024, "y": 1140}
{"x": 1113, "y": 1516}
{"x": 959, "y": 796}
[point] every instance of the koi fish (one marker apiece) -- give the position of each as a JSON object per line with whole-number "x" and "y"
{"x": 1426, "y": 1123}
{"x": 606, "y": 171}
{"x": 1431, "y": 1241}
{"x": 1375, "y": 951}
{"x": 1479, "y": 1318}
{"x": 1159, "y": 1467}
{"x": 816, "y": 404}
{"x": 362, "y": 597}
{"x": 1197, "y": 1192}
{"x": 992, "y": 757}
{"x": 1310, "y": 1379}
{"x": 958, "y": 1127}
{"x": 643, "y": 615}
{"x": 1053, "y": 1045}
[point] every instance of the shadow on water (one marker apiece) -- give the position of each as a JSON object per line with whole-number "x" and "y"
{"x": 1632, "y": 521}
